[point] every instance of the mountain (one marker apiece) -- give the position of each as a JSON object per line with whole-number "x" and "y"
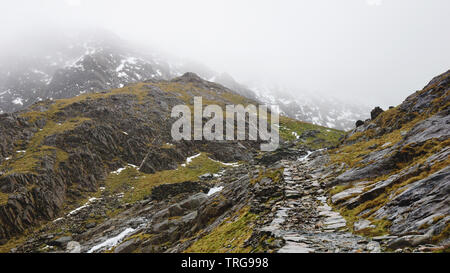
{"x": 114, "y": 149}
{"x": 100, "y": 173}
{"x": 63, "y": 64}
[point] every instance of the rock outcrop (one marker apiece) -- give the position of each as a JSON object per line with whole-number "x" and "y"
{"x": 402, "y": 154}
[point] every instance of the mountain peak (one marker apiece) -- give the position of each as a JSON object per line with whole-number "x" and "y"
{"x": 189, "y": 77}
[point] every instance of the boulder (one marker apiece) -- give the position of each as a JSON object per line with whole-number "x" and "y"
{"x": 61, "y": 242}
{"x": 127, "y": 246}
{"x": 376, "y": 112}
{"x": 73, "y": 247}
{"x": 362, "y": 224}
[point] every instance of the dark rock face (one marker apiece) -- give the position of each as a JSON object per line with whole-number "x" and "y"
{"x": 165, "y": 191}
{"x": 161, "y": 159}
{"x": 281, "y": 153}
{"x": 359, "y": 123}
{"x": 376, "y": 112}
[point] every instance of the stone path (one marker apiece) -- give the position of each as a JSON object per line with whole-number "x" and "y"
{"x": 304, "y": 219}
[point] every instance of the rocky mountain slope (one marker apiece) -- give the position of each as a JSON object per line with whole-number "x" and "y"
{"x": 79, "y": 62}
{"x": 71, "y": 167}
{"x": 396, "y": 178}
{"x": 102, "y": 175}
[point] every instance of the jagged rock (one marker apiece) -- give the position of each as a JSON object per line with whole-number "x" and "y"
{"x": 161, "y": 159}
{"x": 376, "y": 112}
{"x": 409, "y": 241}
{"x": 127, "y": 246}
{"x": 73, "y": 247}
{"x": 359, "y": 123}
{"x": 373, "y": 247}
{"x": 164, "y": 191}
{"x": 161, "y": 226}
{"x": 343, "y": 195}
{"x": 194, "y": 201}
{"x": 61, "y": 242}
{"x": 362, "y": 224}
{"x": 280, "y": 153}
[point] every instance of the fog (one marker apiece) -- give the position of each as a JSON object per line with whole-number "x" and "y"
{"x": 369, "y": 51}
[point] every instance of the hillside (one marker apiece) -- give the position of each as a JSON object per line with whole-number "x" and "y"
{"x": 110, "y": 149}
{"x": 396, "y": 179}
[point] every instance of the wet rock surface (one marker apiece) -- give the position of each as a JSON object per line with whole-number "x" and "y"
{"x": 304, "y": 220}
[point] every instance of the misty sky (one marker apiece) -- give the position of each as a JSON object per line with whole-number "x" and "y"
{"x": 374, "y": 51}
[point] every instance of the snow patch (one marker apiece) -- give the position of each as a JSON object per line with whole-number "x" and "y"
{"x": 18, "y": 101}
{"x": 88, "y": 203}
{"x": 189, "y": 159}
{"x": 119, "y": 170}
{"x": 111, "y": 242}
{"x": 214, "y": 190}
{"x": 235, "y": 164}
{"x": 303, "y": 158}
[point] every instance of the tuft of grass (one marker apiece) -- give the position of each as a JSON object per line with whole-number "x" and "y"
{"x": 276, "y": 175}
{"x": 229, "y": 237}
{"x": 3, "y": 198}
{"x": 445, "y": 234}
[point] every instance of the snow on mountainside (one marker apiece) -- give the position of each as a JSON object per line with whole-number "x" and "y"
{"x": 84, "y": 62}
{"x": 325, "y": 111}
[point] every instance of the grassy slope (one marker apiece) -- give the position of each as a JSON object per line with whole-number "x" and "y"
{"x": 136, "y": 185}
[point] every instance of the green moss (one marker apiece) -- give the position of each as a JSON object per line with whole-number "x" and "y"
{"x": 325, "y": 137}
{"x": 229, "y": 237}
{"x": 3, "y": 198}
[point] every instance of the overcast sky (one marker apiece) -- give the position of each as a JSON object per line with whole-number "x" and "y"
{"x": 376, "y": 51}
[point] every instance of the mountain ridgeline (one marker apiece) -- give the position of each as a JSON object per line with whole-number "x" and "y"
{"x": 65, "y": 65}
